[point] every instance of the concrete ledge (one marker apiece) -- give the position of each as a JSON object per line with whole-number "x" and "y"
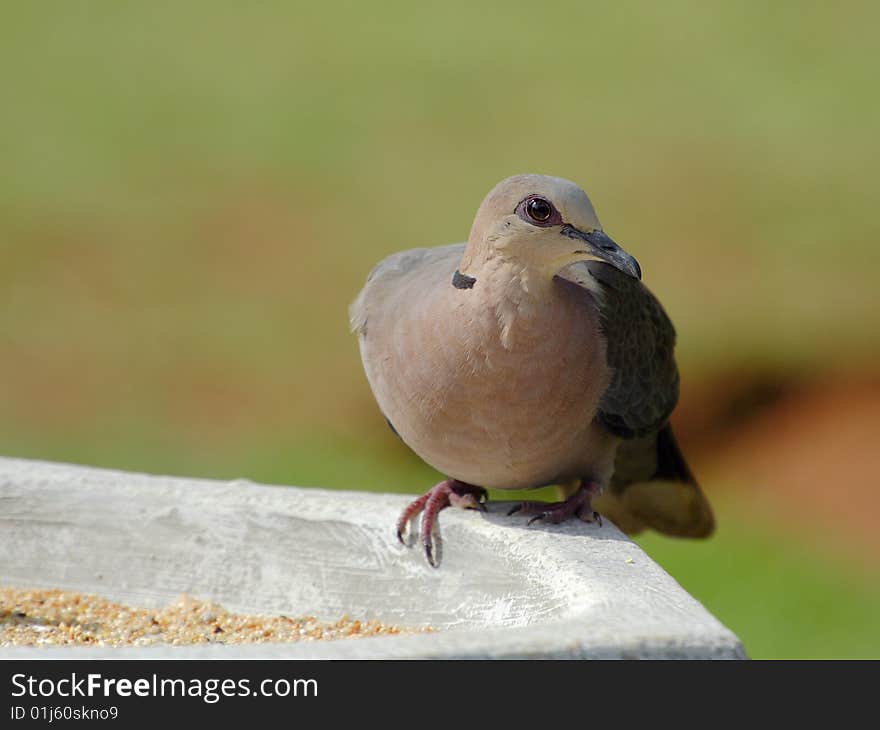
{"x": 503, "y": 591}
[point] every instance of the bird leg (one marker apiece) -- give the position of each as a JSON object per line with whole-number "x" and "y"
{"x": 578, "y": 505}
{"x": 448, "y": 493}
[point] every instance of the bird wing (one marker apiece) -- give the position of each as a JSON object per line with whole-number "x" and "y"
{"x": 640, "y": 341}
{"x": 392, "y": 275}
{"x": 397, "y": 281}
{"x": 652, "y": 485}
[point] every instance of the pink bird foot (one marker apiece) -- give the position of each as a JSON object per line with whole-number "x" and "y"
{"x": 578, "y": 505}
{"x": 448, "y": 493}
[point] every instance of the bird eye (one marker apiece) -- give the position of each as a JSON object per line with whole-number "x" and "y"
{"x": 539, "y": 210}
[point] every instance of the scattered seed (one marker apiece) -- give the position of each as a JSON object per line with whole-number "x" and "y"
{"x": 54, "y": 617}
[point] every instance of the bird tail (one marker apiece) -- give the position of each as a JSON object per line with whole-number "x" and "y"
{"x": 653, "y": 487}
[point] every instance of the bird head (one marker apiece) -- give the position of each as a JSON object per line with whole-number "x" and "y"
{"x": 543, "y": 224}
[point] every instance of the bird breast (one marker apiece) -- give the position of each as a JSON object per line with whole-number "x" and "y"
{"x": 495, "y": 385}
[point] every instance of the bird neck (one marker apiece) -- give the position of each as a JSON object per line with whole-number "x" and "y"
{"x": 518, "y": 296}
{"x": 503, "y": 273}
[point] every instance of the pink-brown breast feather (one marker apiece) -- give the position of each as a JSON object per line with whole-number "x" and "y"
{"x": 512, "y": 416}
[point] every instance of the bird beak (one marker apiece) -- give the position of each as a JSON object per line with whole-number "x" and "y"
{"x": 600, "y": 247}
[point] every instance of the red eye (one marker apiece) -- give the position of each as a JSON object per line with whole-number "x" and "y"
{"x": 539, "y": 210}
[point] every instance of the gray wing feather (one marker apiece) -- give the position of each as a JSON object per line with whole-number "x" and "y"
{"x": 640, "y": 344}
{"x": 391, "y": 272}
{"x": 652, "y": 485}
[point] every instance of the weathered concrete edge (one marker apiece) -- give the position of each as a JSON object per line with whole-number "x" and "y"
{"x": 469, "y": 645}
{"x": 555, "y": 639}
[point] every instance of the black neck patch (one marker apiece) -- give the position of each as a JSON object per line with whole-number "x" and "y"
{"x": 463, "y": 281}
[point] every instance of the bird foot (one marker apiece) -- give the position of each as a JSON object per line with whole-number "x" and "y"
{"x": 578, "y": 505}
{"x": 448, "y": 493}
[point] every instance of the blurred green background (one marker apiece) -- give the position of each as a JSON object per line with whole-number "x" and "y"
{"x": 193, "y": 192}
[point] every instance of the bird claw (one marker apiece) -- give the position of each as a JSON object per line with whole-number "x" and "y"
{"x": 434, "y": 547}
{"x": 406, "y": 535}
{"x": 578, "y": 504}
{"x": 448, "y": 493}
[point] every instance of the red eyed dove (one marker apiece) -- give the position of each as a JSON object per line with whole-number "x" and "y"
{"x": 531, "y": 355}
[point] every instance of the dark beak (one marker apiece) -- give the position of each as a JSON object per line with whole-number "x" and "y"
{"x": 600, "y": 246}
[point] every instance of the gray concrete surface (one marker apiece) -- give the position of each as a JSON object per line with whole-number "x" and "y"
{"x": 504, "y": 590}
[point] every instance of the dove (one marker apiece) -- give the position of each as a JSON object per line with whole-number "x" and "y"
{"x": 530, "y": 355}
